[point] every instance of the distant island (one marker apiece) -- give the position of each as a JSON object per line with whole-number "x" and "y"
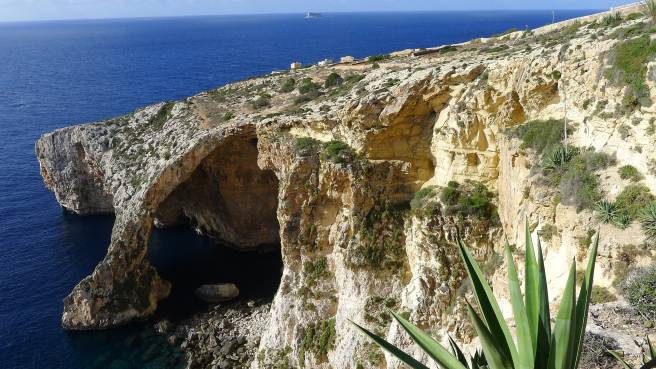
{"x": 310, "y": 15}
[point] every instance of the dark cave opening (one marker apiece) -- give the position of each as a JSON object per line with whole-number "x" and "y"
{"x": 189, "y": 260}
{"x": 219, "y": 226}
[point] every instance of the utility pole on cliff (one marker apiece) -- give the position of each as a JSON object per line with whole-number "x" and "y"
{"x": 565, "y": 102}
{"x": 553, "y": 16}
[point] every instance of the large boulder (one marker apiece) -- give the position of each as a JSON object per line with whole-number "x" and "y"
{"x": 215, "y": 293}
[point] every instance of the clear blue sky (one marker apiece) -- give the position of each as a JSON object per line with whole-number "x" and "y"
{"x": 17, "y": 10}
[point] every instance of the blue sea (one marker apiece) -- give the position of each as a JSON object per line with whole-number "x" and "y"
{"x": 59, "y": 73}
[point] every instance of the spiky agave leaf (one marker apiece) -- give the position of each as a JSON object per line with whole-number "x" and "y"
{"x": 558, "y": 350}
{"x": 583, "y": 304}
{"x": 490, "y": 311}
{"x": 400, "y": 354}
{"x": 525, "y": 349}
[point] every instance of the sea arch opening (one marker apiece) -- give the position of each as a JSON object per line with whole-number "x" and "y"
{"x": 219, "y": 226}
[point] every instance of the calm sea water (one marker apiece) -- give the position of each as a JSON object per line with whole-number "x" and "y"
{"x": 54, "y": 74}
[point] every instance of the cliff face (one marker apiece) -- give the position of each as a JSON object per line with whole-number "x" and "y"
{"x": 330, "y": 175}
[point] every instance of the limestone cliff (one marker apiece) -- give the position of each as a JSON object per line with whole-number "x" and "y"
{"x": 329, "y": 172}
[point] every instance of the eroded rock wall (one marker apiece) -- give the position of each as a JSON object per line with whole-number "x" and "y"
{"x": 351, "y": 244}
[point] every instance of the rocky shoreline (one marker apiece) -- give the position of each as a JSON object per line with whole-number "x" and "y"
{"x": 226, "y": 336}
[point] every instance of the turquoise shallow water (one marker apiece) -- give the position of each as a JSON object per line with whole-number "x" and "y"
{"x": 54, "y": 74}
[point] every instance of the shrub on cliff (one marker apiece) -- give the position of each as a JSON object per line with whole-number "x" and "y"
{"x": 632, "y": 200}
{"x": 333, "y": 80}
{"x": 376, "y": 58}
{"x": 539, "y": 135}
{"x": 338, "y": 152}
{"x": 629, "y": 68}
{"x": 538, "y": 344}
{"x": 288, "y": 85}
{"x": 471, "y": 199}
{"x": 630, "y": 172}
{"x": 640, "y": 291}
{"x": 260, "y": 102}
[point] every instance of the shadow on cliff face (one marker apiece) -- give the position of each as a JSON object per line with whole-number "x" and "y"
{"x": 231, "y": 204}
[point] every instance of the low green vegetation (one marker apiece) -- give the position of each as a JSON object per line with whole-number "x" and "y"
{"x": 315, "y": 270}
{"x": 630, "y": 172}
{"x": 611, "y": 20}
{"x": 333, "y": 80}
{"x": 640, "y": 291}
{"x": 309, "y": 91}
{"x": 539, "y": 135}
{"x": 228, "y": 116}
{"x": 421, "y": 197}
{"x": 376, "y": 58}
{"x": 628, "y": 206}
{"x": 319, "y": 339}
{"x": 288, "y": 86}
{"x": 629, "y": 68}
{"x": 305, "y": 146}
{"x": 576, "y": 179}
{"x": 548, "y": 231}
{"x": 537, "y": 342}
{"x": 376, "y": 310}
{"x": 338, "y": 152}
{"x": 472, "y": 199}
{"x": 381, "y": 239}
{"x": 606, "y": 211}
{"x": 260, "y": 102}
{"x": 648, "y": 220}
{"x": 632, "y": 200}
{"x": 163, "y": 114}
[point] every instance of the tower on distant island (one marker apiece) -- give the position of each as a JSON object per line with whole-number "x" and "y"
{"x": 312, "y": 15}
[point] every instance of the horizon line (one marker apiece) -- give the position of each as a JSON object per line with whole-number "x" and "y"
{"x": 155, "y": 17}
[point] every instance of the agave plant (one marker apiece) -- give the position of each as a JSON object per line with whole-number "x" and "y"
{"x": 476, "y": 361}
{"x": 558, "y": 157}
{"x": 538, "y": 345}
{"x": 622, "y": 219}
{"x": 648, "y": 361}
{"x": 606, "y": 211}
{"x": 648, "y": 219}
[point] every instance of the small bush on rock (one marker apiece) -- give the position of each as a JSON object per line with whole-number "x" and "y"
{"x": 289, "y": 85}
{"x": 539, "y": 134}
{"x": 630, "y": 172}
{"x": 338, "y": 152}
{"x": 641, "y": 292}
{"x": 333, "y": 80}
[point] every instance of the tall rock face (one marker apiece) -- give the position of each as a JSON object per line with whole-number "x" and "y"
{"x": 353, "y": 184}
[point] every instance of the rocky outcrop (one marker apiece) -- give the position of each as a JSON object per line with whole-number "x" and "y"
{"x": 335, "y": 178}
{"x": 215, "y": 293}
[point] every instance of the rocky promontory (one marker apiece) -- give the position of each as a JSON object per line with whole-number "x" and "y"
{"x": 365, "y": 172}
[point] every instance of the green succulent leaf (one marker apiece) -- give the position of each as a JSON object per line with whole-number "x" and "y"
{"x": 433, "y": 348}
{"x": 524, "y": 341}
{"x": 619, "y": 358}
{"x": 543, "y": 337}
{"x": 495, "y": 358}
{"x": 563, "y": 334}
{"x": 400, "y": 354}
{"x": 457, "y": 352}
{"x": 532, "y": 288}
{"x": 583, "y": 304}
{"x": 487, "y": 303}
